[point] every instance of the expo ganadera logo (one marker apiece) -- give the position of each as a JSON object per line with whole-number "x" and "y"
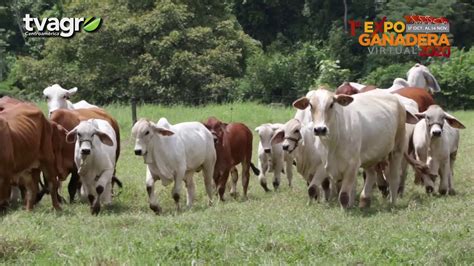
{"x": 422, "y": 35}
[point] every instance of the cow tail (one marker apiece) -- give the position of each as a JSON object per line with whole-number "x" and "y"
{"x": 117, "y": 181}
{"x": 254, "y": 169}
{"x": 418, "y": 166}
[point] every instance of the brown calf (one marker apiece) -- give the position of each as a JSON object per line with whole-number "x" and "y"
{"x": 233, "y": 143}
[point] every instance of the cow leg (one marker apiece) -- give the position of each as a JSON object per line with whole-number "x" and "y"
{"x": 403, "y": 177}
{"x": 445, "y": 172}
{"x": 366, "y": 195}
{"x": 245, "y": 177}
{"x": 53, "y": 188}
{"x": 89, "y": 189}
{"x": 150, "y": 189}
{"x": 31, "y": 184}
{"x": 222, "y": 184}
{"x": 452, "y": 158}
{"x": 313, "y": 191}
{"x": 190, "y": 188}
{"x": 277, "y": 168}
{"x": 381, "y": 183}
{"x": 289, "y": 170}
{"x": 178, "y": 184}
{"x": 73, "y": 185}
{"x": 104, "y": 190}
{"x": 433, "y": 166}
{"x": 5, "y": 191}
{"x": 263, "y": 166}
{"x": 208, "y": 172}
{"x": 394, "y": 175}
{"x": 235, "y": 177}
{"x": 348, "y": 183}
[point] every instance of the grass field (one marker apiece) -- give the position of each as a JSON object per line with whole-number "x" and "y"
{"x": 269, "y": 228}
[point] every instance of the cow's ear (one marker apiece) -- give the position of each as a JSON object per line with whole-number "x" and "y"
{"x": 301, "y": 103}
{"x": 420, "y": 115}
{"x": 257, "y": 129}
{"x": 431, "y": 80}
{"x": 411, "y": 119}
{"x": 71, "y": 136}
{"x": 104, "y": 138}
{"x": 162, "y": 131}
{"x": 343, "y": 99}
{"x": 452, "y": 121}
{"x": 72, "y": 91}
{"x": 276, "y": 126}
{"x": 278, "y": 137}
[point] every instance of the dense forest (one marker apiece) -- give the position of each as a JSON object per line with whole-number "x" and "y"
{"x": 194, "y": 52}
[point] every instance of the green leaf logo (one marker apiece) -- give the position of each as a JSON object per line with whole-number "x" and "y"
{"x": 91, "y": 24}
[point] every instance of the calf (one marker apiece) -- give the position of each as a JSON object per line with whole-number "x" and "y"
{"x": 359, "y": 131}
{"x": 233, "y": 143}
{"x": 271, "y": 157}
{"x": 69, "y": 119}
{"x": 94, "y": 155}
{"x": 27, "y": 148}
{"x": 173, "y": 153}
{"x": 436, "y": 140}
{"x": 299, "y": 141}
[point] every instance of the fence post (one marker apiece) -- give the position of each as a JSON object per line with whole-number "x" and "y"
{"x": 134, "y": 110}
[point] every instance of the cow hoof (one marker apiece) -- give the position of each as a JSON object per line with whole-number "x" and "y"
{"x": 95, "y": 209}
{"x": 443, "y": 191}
{"x": 156, "y": 209}
{"x": 264, "y": 185}
{"x": 365, "y": 203}
{"x": 429, "y": 189}
{"x": 452, "y": 192}
{"x": 233, "y": 194}
{"x": 276, "y": 185}
{"x": 384, "y": 190}
{"x": 344, "y": 200}
{"x": 312, "y": 192}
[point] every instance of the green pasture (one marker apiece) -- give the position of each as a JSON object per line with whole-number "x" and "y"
{"x": 269, "y": 228}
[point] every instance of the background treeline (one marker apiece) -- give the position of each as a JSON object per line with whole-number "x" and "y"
{"x": 199, "y": 51}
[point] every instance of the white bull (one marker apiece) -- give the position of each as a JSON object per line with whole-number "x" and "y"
{"x": 361, "y": 130}
{"x": 173, "y": 153}
{"x": 94, "y": 156}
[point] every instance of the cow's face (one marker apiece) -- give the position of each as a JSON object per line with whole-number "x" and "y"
{"x": 435, "y": 118}
{"x": 217, "y": 129}
{"x": 324, "y": 104}
{"x": 265, "y": 133}
{"x": 57, "y": 97}
{"x": 84, "y": 135}
{"x": 290, "y": 135}
{"x": 143, "y": 131}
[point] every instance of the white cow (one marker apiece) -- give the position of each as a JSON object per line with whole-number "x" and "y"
{"x": 361, "y": 130}
{"x": 420, "y": 76}
{"x": 298, "y": 140}
{"x": 436, "y": 140}
{"x": 271, "y": 157}
{"x": 94, "y": 156}
{"x": 58, "y": 98}
{"x": 174, "y": 153}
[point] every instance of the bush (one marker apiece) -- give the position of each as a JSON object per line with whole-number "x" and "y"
{"x": 455, "y": 76}
{"x": 278, "y": 77}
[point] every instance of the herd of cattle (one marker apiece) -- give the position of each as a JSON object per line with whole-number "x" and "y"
{"x": 331, "y": 136}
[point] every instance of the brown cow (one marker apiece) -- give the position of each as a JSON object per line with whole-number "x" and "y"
{"x": 69, "y": 119}
{"x": 233, "y": 143}
{"x": 26, "y": 138}
{"x": 422, "y": 97}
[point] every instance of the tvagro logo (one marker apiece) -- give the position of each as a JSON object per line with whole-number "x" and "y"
{"x": 54, "y": 27}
